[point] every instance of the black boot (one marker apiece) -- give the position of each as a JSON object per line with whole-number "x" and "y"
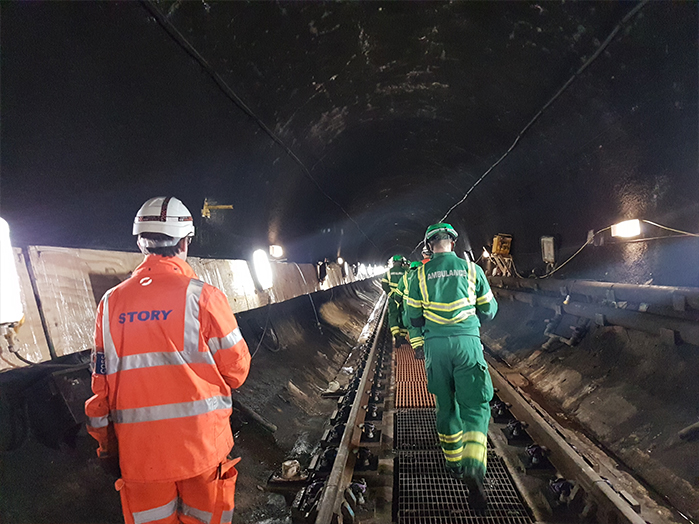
{"x": 455, "y": 471}
{"x": 419, "y": 353}
{"x": 477, "y": 498}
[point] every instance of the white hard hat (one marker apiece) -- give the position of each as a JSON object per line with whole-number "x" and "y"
{"x": 164, "y": 215}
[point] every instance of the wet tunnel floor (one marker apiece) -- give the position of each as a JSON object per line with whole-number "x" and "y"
{"x": 424, "y": 492}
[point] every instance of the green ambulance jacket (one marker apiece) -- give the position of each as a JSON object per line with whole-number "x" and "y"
{"x": 415, "y": 333}
{"x": 390, "y": 280}
{"x": 446, "y": 295}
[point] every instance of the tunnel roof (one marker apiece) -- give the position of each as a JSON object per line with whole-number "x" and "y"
{"x": 345, "y": 128}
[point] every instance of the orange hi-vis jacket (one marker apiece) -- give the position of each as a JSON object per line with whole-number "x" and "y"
{"x": 167, "y": 352}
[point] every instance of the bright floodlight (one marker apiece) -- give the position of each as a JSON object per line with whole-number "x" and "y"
{"x": 362, "y": 272}
{"x": 276, "y": 251}
{"x": 626, "y": 229}
{"x": 10, "y": 298}
{"x": 485, "y": 253}
{"x": 340, "y": 261}
{"x": 263, "y": 269}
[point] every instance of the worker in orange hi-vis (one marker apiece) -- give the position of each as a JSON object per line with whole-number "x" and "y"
{"x": 426, "y": 254}
{"x": 167, "y": 353}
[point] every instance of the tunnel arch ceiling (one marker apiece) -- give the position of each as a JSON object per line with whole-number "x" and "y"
{"x": 395, "y": 109}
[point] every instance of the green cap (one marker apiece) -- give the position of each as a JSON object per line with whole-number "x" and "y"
{"x": 413, "y": 265}
{"x": 396, "y": 258}
{"x": 442, "y": 227}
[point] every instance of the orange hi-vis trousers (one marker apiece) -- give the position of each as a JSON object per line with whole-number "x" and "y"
{"x": 208, "y": 498}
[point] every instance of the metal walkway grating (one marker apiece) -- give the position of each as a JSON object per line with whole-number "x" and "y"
{"x": 416, "y": 429}
{"x": 411, "y": 380}
{"x": 424, "y": 493}
{"x": 427, "y": 494}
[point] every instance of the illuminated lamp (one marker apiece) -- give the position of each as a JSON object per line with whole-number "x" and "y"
{"x": 627, "y": 229}
{"x": 11, "y": 310}
{"x": 276, "y": 251}
{"x": 263, "y": 269}
{"x": 362, "y": 272}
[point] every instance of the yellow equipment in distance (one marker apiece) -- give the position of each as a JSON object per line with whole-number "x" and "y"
{"x": 206, "y": 210}
{"x": 501, "y": 244}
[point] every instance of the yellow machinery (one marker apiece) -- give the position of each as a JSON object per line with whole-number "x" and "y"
{"x": 206, "y": 210}
{"x": 502, "y": 244}
{"x": 500, "y": 257}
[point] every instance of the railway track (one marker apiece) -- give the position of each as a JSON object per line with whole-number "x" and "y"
{"x": 382, "y": 438}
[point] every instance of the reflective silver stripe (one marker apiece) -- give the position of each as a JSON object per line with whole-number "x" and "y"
{"x": 191, "y": 316}
{"x": 170, "y": 411}
{"x": 230, "y": 340}
{"x": 162, "y": 512}
{"x": 472, "y": 275}
{"x": 111, "y": 359}
{"x": 227, "y": 517}
{"x": 99, "y": 422}
{"x": 167, "y": 358}
{"x": 485, "y": 298}
{"x": 203, "y": 516}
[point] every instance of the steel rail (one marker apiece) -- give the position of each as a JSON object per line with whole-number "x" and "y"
{"x": 570, "y": 463}
{"x": 333, "y": 489}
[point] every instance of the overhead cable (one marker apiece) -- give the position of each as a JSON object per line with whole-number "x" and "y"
{"x": 582, "y": 68}
{"x": 681, "y": 233}
{"x": 178, "y": 37}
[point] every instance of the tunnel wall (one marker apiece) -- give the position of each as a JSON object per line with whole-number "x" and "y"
{"x": 64, "y": 286}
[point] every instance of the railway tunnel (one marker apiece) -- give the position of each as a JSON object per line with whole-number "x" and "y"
{"x": 337, "y": 132}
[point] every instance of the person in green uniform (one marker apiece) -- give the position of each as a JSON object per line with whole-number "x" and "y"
{"x": 446, "y": 299}
{"x": 414, "y": 333}
{"x": 389, "y": 283}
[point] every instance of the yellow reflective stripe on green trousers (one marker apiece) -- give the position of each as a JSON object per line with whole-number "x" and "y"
{"x": 458, "y": 377}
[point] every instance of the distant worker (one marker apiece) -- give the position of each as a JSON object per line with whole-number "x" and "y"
{"x": 446, "y": 300}
{"x": 426, "y": 254}
{"x": 389, "y": 283}
{"x": 167, "y": 353}
{"x": 415, "y": 333}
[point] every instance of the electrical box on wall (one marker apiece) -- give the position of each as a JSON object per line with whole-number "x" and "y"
{"x": 548, "y": 250}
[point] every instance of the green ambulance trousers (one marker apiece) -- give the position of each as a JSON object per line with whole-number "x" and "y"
{"x": 394, "y": 320}
{"x": 458, "y": 376}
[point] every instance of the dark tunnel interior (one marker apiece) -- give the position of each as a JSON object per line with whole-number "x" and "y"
{"x": 345, "y": 128}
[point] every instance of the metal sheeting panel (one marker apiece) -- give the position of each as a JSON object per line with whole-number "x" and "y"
{"x": 70, "y": 283}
